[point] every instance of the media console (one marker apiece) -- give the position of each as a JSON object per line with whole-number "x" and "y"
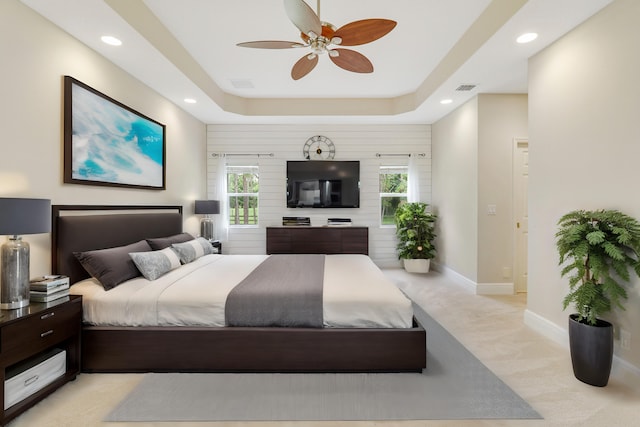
{"x": 317, "y": 240}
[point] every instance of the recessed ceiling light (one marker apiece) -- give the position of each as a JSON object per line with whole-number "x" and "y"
{"x": 446, "y": 101}
{"x": 190, "y": 100}
{"x": 527, "y": 37}
{"x": 111, "y": 40}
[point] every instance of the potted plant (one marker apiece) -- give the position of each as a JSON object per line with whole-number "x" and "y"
{"x": 415, "y": 229}
{"x": 598, "y": 250}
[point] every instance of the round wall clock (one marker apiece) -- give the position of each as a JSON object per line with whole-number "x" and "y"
{"x": 318, "y": 147}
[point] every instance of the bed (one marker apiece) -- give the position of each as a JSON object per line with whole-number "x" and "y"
{"x": 161, "y": 345}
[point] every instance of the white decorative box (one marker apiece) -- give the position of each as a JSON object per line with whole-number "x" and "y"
{"x": 27, "y": 378}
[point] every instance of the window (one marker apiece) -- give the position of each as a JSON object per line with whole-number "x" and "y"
{"x": 393, "y": 191}
{"x": 242, "y": 193}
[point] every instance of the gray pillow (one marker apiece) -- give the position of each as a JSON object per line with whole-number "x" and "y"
{"x": 193, "y": 249}
{"x": 155, "y": 263}
{"x": 112, "y": 266}
{"x": 164, "y": 242}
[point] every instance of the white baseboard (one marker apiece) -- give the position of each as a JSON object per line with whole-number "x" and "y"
{"x": 621, "y": 369}
{"x": 495, "y": 289}
{"x": 625, "y": 372}
{"x": 455, "y": 276}
{"x": 476, "y": 288}
{"x": 546, "y": 328}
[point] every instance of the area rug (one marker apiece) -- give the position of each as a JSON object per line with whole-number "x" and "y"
{"x": 455, "y": 385}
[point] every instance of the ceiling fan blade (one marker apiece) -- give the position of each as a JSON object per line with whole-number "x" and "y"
{"x": 303, "y": 17}
{"x": 304, "y": 66}
{"x": 351, "y": 60}
{"x": 365, "y": 31}
{"x": 271, "y": 44}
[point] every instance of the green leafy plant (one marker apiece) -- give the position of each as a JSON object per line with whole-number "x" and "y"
{"x": 599, "y": 248}
{"x": 415, "y": 229}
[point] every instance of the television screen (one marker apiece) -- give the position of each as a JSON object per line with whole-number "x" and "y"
{"x": 323, "y": 184}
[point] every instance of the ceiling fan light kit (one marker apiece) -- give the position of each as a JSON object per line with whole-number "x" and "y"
{"x": 321, "y": 36}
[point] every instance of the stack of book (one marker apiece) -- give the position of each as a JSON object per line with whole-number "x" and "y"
{"x": 49, "y": 288}
{"x": 296, "y": 220}
{"x": 338, "y": 222}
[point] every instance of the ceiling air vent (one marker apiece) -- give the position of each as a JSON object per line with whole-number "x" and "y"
{"x": 465, "y": 88}
{"x": 242, "y": 83}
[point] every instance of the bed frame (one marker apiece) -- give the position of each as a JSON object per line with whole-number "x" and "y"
{"x": 212, "y": 349}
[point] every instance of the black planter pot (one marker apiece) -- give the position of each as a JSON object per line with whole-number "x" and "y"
{"x": 591, "y": 350}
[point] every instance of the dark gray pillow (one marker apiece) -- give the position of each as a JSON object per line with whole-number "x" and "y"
{"x": 114, "y": 265}
{"x": 164, "y": 242}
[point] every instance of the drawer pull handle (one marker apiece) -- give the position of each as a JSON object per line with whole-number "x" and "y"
{"x": 44, "y": 334}
{"x": 46, "y": 316}
{"x": 31, "y": 380}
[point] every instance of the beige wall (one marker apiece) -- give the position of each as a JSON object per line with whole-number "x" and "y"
{"x": 472, "y": 168}
{"x": 454, "y": 147}
{"x": 584, "y": 108}
{"x": 35, "y": 55}
{"x": 501, "y": 118}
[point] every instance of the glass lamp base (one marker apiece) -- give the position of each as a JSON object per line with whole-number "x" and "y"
{"x": 207, "y": 226}
{"x": 14, "y": 305}
{"x": 14, "y": 281}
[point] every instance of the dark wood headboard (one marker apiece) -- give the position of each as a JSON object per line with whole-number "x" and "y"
{"x": 77, "y": 228}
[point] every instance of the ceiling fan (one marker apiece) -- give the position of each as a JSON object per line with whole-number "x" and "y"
{"x": 322, "y": 36}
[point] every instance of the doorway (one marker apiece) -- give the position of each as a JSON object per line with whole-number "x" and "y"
{"x": 521, "y": 212}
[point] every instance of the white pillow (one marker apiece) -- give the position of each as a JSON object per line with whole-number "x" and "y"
{"x": 155, "y": 263}
{"x": 193, "y": 249}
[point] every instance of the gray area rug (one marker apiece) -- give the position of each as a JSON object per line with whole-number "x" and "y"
{"x": 455, "y": 385}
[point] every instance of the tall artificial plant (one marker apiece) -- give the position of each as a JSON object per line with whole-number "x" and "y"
{"x": 415, "y": 229}
{"x": 599, "y": 249}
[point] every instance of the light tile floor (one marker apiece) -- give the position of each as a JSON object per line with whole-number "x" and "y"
{"x": 489, "y": 326}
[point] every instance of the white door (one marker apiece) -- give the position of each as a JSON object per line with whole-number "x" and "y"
{"x": 520, "y": 198}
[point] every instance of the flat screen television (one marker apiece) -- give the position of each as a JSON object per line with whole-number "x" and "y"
{"x": 323, "y": 184}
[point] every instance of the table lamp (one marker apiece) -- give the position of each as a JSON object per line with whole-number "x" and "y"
{"x": 207, "y": 208}
{"x": 19, "y": 216}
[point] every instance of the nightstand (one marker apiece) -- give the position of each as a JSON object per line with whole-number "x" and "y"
{"x": 217, "y": 245}
{"x": 28, "y": 336}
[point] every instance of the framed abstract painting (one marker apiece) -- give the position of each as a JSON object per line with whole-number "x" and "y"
{"x": 108, "y": 143}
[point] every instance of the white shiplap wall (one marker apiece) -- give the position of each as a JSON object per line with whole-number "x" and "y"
{"x": 353, "y": 142}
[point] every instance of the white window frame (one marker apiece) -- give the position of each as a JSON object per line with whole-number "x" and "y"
{"x": 382, "y": 195}
{"x": 230, "y": 169}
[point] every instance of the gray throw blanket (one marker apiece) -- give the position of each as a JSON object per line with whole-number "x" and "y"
{"x": 284, "y": 290}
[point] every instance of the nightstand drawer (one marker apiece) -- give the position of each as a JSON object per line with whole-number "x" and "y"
{"x": 34, "y": 375}
{"x": 40, "y": 331}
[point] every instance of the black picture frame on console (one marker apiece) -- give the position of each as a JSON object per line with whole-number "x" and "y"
{"x": 109, "y": 144}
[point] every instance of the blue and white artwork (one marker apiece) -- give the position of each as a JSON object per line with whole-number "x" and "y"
{"x": 111, "y": 144}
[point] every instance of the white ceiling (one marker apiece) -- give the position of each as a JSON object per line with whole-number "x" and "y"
{"x": 187, "y": 49}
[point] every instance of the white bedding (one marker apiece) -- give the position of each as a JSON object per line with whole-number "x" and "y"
{"x": 356, "y": 294}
